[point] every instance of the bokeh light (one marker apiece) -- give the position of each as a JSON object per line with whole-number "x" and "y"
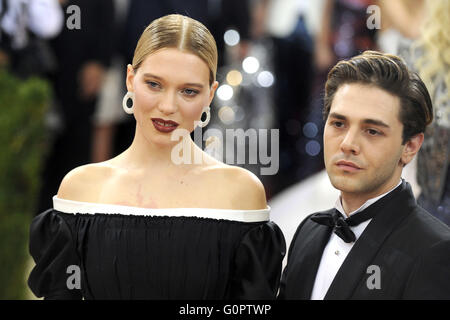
{"x": 231, "y": 37}
{"x": 226, "y": 115}
{"x": 310, "y": 130}
{"x": 239, "y": 113}
{"x": 265, "y": 79}
{"x": 250, "y": 65}
{"x": 312, "y": 148}
{"x": 234, "y": 78}
{"x": 225, "y": 92}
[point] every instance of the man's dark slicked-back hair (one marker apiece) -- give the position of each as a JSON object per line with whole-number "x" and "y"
{"x": 389, "y": 73}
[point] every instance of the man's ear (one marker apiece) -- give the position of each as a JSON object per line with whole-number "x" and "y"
{"x": 412, "y": 146}
{"x": 130, "y": 78}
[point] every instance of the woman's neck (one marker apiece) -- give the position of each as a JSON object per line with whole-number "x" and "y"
{"x": 143, "y": 154}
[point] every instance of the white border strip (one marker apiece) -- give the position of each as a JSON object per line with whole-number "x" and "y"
{"x": 70, "y": 206}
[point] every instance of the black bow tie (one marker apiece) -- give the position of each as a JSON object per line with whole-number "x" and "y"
{"x": 342, "y": 226}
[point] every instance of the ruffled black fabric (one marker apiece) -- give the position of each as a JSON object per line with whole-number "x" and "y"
{"x": 149, "y": 257}
{"x": 52, "y": 248}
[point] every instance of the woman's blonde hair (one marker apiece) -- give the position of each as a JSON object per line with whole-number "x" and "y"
{"x": 435, "y": 40}
{"x": 181, "y": 32}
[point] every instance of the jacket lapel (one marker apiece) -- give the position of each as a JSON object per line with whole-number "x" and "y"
{"x": 354, "y": 268}
{"x": 306, "y": 256}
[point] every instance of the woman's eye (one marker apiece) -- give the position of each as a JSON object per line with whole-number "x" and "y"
{"x": 152, "y": 84}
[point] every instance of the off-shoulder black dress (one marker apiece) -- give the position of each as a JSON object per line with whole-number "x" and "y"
{"x": 135, "y": 253}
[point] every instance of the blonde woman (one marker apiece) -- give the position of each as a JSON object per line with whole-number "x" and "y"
{"x": 144, "y": 225}
{"x": 431, "y": 57}
{"x": 400, "y": 24}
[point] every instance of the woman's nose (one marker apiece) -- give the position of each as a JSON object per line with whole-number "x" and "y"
{"x": 167, "y": 104}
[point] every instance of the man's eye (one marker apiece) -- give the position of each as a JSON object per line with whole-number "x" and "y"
{"x": 373, "y": 132}
{"x": 190, "y": 92}
{"x": 337, "y": 124}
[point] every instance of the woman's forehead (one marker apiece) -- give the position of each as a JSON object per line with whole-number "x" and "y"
{"x": 172, "y": 63}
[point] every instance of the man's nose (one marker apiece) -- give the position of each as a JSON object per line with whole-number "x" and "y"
{"x": 350, "y": 144}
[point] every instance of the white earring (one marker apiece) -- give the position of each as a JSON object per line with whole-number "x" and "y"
{"x": 202, "y": 124}
{"x": 128, "y": 95}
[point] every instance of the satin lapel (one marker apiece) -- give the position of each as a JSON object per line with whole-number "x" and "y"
{"x": 307, "y": 254}
{"x": 354, "y": 268}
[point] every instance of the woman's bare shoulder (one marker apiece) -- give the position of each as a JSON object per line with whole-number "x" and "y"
{"x": 238, "y": 187}
{"x": 84, "y": 183}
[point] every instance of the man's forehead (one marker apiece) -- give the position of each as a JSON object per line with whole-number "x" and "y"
{"x": 360, "y": 102}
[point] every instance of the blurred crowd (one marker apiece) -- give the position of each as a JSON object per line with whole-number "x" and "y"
{"x": 274, "y": 56}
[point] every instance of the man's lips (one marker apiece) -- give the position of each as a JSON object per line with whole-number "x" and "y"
{"x": 347, "y": 165}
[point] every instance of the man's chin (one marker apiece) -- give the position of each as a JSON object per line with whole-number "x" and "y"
{"x": 346, "y": 184}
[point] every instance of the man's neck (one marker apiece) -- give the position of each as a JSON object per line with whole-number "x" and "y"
{"x": 353, "y": 201}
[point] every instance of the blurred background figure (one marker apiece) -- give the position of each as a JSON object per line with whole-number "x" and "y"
{"x": 343, "y": 32}
{"x": 108, "y": 109}
{"x": 24, "y": 27}
{"x": 81, "y": 54}
{"x": 431, "y": 57}
{"x": 289, "y": 27}
{"x": 401, "y": 23}
{"x": 269, "y": 88}
{"x": 416, "y": 31}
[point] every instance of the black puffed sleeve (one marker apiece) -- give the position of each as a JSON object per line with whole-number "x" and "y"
{"x": 52, "y": 248}
{"x": 258, "y": 263}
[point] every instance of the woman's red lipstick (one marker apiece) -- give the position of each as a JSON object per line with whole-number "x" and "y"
{"x": 164, "y": 126}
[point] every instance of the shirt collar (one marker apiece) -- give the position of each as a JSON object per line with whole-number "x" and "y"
{"x": 338, "y": 204}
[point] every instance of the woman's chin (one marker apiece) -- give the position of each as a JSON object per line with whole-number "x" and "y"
{"x": 163, "y": 142}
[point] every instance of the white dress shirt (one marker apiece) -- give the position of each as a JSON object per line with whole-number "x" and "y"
{"x": 337, "y": 250}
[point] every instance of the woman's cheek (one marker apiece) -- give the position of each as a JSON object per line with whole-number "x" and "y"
{"x": 144, "y": 101}
{"x": 191, "y": 112}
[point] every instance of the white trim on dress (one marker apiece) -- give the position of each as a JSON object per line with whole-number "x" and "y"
{"x": 70, "y": 206}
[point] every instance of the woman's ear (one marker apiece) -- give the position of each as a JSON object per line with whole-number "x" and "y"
{"x": 130, "y": 78}
{"x": 213, "y": 90}
{"x": 412, "y": 146}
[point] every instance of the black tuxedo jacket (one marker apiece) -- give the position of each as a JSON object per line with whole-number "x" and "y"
{"x": 410, "y": 247}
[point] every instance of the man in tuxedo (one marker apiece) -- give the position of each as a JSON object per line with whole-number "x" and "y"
{"x": 377, "y": 243}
